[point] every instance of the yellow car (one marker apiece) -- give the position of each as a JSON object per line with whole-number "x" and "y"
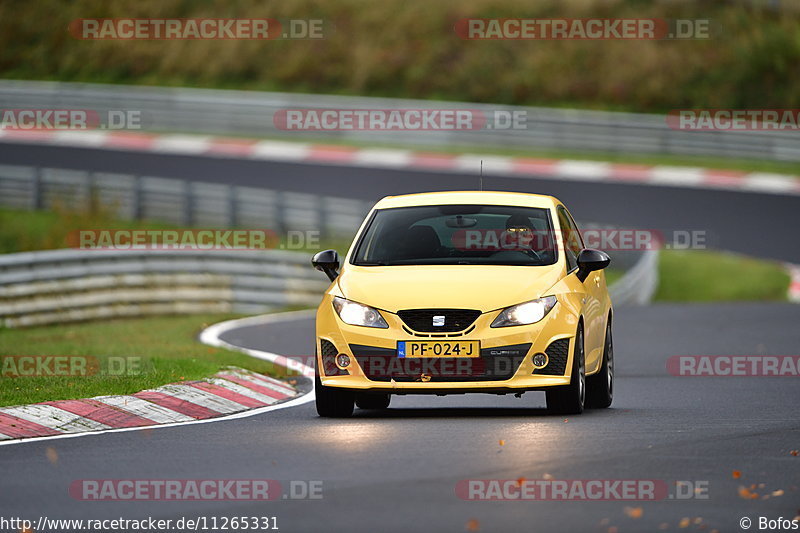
{"x": 457, "y": 292}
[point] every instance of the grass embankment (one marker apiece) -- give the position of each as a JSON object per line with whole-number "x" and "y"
{"x": 409, "y": 48}
{"x": 24, "y": 231}
{"x": 165, "y": 350}
{"x": 709, "y": 276}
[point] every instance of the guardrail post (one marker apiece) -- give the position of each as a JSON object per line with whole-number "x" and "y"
{"x": 88, "y": 189}
{"x": 37, "y": 195}
{"x": 188, "y": 203}
{"x": 136, "y": 202}
{"x": 233, "y": 207}
{"x": 322, "y": 217}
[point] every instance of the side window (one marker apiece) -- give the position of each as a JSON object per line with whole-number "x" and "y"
{"x": 571, "y": 237}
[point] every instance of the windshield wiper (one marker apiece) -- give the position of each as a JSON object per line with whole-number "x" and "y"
{"x": 371, "y": 264}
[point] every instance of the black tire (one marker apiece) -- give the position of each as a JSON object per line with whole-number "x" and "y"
{"x": 366, "y": 400}
{"x": 569, "y": 399}
{"x": 600, "y": 387}
{"x": 331, "y": 401}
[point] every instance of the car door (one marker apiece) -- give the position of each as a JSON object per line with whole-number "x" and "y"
{"x": 593, "y": 301}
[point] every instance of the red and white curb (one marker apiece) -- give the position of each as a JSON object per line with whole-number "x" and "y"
{"x": 794, "y": 283}
{"x": 558, "y": 169}
{"x": 232, "y": 393}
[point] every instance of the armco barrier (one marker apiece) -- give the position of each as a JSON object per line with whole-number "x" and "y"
{"x": 250, "y": 113}
{"x": 57, "y": 286}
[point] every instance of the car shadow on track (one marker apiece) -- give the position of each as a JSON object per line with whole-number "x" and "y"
{"x": 469, "y": 412}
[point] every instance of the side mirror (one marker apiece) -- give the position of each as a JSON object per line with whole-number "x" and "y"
{"x": 590, "y": 260}
{"x": 327, "y": 261}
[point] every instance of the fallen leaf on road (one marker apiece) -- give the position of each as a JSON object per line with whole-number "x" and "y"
{"x": 747, "y": 494}
{"x": 472, "y": 525}
{"x": 634, "y": 512}
{"x": 736, "y": 474}
{"x": 52, "y": 455}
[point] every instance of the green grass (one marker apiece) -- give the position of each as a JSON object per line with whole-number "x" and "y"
{"x": 23, "y": 230}
{"x": 408, "y": 48}
{"x": 167, "y": 346}
{"x": 709, "y": 276}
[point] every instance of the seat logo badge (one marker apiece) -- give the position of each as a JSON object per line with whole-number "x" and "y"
{"x": 438, "y": 320}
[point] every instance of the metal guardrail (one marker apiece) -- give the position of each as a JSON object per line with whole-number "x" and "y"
{"x": 251, "y": 114}
{"x": 181, "y": 202}
{"x": 57, "y": 286}
{"x": 639, "y": 284}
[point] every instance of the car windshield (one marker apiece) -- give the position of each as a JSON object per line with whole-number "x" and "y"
{"x": 457, "y": 235}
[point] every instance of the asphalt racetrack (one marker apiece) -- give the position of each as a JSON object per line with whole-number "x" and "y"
{"x": 398, "y": 470}
{"x": 703, "y": 438}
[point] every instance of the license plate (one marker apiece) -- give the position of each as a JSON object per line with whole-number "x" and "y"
{"x": 438, "y": 349}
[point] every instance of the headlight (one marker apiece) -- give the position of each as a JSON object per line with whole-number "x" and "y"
{"x": 357, "y": 314}
{"x": 523, "y": 314}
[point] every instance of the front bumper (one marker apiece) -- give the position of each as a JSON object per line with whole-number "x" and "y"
{"x": 505, "y": 364}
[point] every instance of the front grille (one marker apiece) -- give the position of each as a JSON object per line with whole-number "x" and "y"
{"x": 557, "y": 355}
{"x": 494, "y": 364}
{"x": 454, "y": 319}
{"x": 329, "y": 352}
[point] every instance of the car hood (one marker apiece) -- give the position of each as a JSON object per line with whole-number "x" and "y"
{"x": 393, "y": 288}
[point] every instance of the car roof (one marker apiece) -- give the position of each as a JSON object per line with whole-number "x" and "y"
{"x": 469, "y": 198}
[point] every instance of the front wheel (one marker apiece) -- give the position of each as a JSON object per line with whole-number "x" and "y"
{"x": 569, "y": 399}
{"x": 331, "y": 402}
{"x": 600, "y": 387}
